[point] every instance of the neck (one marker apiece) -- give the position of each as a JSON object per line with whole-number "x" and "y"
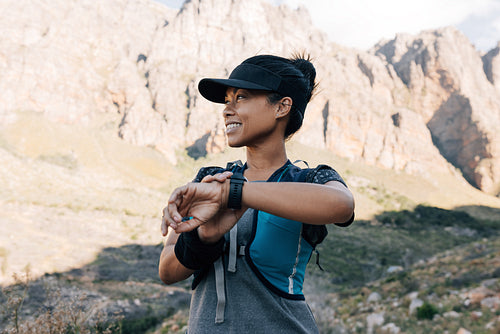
{"x": 262, "y": 161}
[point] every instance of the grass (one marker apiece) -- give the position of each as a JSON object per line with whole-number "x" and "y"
{"x": 433, "y": 275}
{"x": 436, "y": 261}
{"x": 54, "y": 305}
{"x": 64, "y": 160}
{"x": 54, "y": 315}
{"x": 363, "y": 252}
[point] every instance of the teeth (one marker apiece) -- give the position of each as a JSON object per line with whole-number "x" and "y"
{"x": 232, "y": 125}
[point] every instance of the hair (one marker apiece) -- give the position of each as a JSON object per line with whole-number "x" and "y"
{"x": 290, "y": 71}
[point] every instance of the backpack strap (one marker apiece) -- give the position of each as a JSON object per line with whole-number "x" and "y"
{"x": 303, "y": 161}
{"x": 313, "y": 234}
{"x": 233, "y": 165}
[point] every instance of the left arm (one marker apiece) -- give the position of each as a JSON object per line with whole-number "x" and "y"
{"x": 310, "y": 203}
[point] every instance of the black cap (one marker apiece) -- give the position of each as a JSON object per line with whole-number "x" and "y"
{"x": 250, "y": 76}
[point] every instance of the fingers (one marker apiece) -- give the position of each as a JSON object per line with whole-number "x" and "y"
{"x": 164, "y": 225}
{"x": 185, "y": 198}
{"x": 175, "y": 202}
{"x": 219, "y": 177}
{"x": 189, "y": 224}
{"x": 171, "y": 216}
{"x": 167, "y": 221}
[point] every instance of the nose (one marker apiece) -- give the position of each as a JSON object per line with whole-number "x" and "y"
{"x": 228, "y": 110}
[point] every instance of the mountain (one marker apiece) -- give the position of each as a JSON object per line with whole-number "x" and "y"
{"x": 458, "y": 101}
{"x": 419, "y": 104}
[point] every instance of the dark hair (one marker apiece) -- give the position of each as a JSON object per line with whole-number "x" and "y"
{"x": 297, "y": 71}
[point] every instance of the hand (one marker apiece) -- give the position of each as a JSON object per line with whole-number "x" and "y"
{"x": 206, "y": 203}
{"x": 224, "y": 220}
{"x": 201, "y": 201}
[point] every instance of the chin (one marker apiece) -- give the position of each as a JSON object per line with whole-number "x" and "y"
{"x": 235, "y": 145}
{"x": 233, "y": 142}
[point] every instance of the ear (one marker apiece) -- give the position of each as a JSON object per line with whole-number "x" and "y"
{"x": 284, "y": 107}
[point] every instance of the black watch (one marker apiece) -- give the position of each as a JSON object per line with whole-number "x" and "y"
{"x": 235, "y": 190}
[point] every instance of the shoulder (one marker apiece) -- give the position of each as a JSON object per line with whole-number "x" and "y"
{"x": 321, "y": 174}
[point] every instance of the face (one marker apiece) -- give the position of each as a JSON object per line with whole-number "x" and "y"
{"x": 249, "y": 117}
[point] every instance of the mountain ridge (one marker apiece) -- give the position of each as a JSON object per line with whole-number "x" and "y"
{"x": 390, "y": 106}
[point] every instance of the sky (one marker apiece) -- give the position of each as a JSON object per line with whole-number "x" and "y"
{"x": 362, "y": 23}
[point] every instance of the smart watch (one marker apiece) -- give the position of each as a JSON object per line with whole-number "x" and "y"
{"x": 235, "y": 190}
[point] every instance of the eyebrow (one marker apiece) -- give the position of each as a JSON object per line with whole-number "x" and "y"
{"x": 234, "y": 92}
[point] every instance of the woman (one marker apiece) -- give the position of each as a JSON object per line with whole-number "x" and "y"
{"x": 247, "y": 242}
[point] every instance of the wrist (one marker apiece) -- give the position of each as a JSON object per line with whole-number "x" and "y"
{"x": 225, "y": 189}
{"x": 207, "y": 239}
{"x": 235, "y": 191}
{"x": 193, "y": 253}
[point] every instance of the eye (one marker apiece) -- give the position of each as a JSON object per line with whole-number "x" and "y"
{"x": 240, "y": 97}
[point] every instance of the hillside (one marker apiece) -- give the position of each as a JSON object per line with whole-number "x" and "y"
{"x": 87, "y": 226}
{"x": 373, "y": 287}
{"x": 108, "y": 193}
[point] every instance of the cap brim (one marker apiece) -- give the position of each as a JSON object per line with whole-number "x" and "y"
{"x": 215, "y": 89}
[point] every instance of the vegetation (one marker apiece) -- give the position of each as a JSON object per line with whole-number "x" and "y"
{"x": 364, "y": 252}
{"x": 439, "y": 254}
{"x": 427, "y": 311}
{"x": 443, "y": 308}
{"x": 54, "y": 314}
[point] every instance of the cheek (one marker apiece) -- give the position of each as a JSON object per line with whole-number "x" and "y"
{"x": 258, "y": 117}
{"x": 267, "y": 116}
{"x": 262, "y": 123}
{"x": 265, "y": 112}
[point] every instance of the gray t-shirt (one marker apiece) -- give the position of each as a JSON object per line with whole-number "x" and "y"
{"x": 250, "y": 306}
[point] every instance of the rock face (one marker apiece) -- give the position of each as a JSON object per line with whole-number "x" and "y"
{"x": 450, "y": 90}
{"x": 419, "y": 104}
{"x": 60, "y": 57}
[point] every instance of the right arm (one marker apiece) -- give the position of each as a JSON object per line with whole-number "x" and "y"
{"x": 170, "y": 269}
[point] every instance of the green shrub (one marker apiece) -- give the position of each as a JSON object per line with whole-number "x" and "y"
{"x": 134, "y": 326}
{"x": 427, "y": 311}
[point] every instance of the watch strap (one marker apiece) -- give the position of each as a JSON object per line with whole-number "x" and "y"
{"x": 235, "y": 190}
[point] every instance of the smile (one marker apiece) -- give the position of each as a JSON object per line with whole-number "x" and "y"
{"x": 232, "y": 126}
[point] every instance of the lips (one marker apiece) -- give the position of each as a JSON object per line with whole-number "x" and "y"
{"x": 232, "y": 126}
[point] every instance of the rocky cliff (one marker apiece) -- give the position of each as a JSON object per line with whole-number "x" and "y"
{"x": 457, "y": 99}
{"x": 419, "y": 104}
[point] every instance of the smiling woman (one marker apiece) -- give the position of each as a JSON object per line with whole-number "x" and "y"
{"x": 246, "y": 232}
{"x": 243, "y": 108}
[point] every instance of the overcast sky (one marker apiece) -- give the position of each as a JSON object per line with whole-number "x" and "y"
{"x": 362, "y": 23}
